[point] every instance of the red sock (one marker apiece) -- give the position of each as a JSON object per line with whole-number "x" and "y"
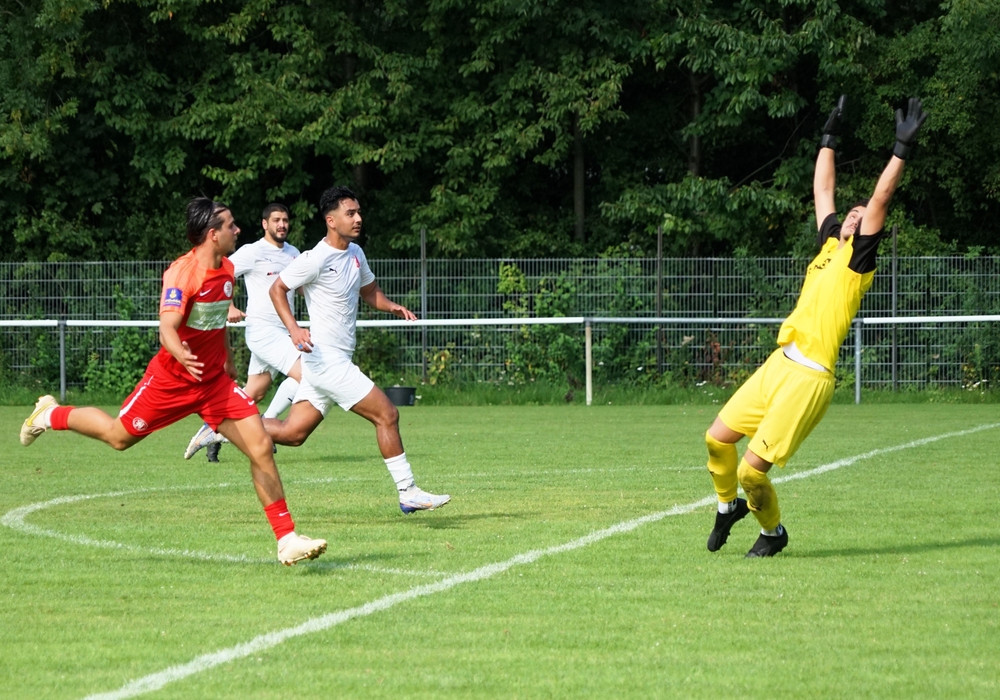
{"x": 59, "y": 418}
{"x": 279, "y": 517}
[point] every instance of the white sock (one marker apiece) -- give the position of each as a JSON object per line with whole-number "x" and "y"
{"x": 725, "y": 508}
{"x": 282, "y": 398}
{"x": 45, "y": 419}
{"x": 400, "y": 471}
{"x": 772, "y": 533}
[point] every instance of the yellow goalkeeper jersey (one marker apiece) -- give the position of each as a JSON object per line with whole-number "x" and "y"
{"x": 836, "y": 280}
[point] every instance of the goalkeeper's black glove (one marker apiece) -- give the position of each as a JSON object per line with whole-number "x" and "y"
{"x": 831, "y": 127}
{"x": 907, "y": 128}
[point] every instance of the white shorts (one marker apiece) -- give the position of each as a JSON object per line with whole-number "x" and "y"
{"x": 271, "y": 350}
{"x": 330, "y": 379}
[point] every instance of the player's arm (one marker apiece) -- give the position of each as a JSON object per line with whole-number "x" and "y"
{"x": 279, "y": 297}
{"x": 878, "y": 204}
{"x": 825, "y": 173}
{"x": 170, "y": 323}
{"x": 243, "y": 262}
{"x": 907, "y": 127}
{"x": 234, "y": 315}
{"x": 373, "y": 295}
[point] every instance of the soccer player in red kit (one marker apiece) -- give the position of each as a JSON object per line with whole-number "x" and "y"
{"x": 192, "y": 373}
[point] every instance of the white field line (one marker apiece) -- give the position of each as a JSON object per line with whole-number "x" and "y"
{"x": 155, "y": 681}
{"x": 17, "y": 520}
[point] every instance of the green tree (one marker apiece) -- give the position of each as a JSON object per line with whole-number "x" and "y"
{"x": 954, "y": 61}
{"x": 499, "y": 127}
{"x": 745, "y": 80}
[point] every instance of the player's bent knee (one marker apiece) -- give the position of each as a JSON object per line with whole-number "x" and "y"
{"x": 748, "y": 474}
{"x": 299, "y": 433}
{"x": 288, "y": 436}
{"x": 716, "y": 448}
{"x": 385, "y": 414}
{"x": 756, "y": 484}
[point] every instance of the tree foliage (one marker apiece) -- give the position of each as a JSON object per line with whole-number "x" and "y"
{"x": 499, "y": 127}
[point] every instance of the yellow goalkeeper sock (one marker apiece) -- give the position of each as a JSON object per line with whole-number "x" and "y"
{"x": 761, "y": 496}
{"x": 722, "y": 467}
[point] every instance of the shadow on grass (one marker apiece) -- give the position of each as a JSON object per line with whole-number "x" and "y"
{"x": 914, "y": 548}
{"x": 448, "y": 521}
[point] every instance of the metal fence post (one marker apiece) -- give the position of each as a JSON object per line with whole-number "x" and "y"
{"x": 659, "y": 297}
{"x": 423, "y": 299}
{"x": 858, "y": 325}
{"x": 588, "y": 359}
{"x": 62, "y": 359}
{"x": 895, "y": 309}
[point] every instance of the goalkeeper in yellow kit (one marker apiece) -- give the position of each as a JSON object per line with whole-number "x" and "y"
{"x": 780, "y": 404}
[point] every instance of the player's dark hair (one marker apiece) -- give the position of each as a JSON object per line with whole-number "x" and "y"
{"x": 331, "y": 199}
{"x": 203, "y": 214}
{"x": 273, "y": 207}
{"x": 859, "y": 203}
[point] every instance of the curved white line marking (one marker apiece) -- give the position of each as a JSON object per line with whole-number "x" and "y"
{"x": 155, "y": 681}
{"x": 17, "y": 520}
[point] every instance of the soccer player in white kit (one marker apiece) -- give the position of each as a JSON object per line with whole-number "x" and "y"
{"x": 334, "y": 275}
{"x": 259, "y": 264}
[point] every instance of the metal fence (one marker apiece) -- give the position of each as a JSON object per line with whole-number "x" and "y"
{"x": 689, "y": 349}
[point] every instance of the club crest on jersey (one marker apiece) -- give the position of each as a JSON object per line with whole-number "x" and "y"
{"x": 228, "y": 289}
{"x": 173, "y": 297}
{"x": 140, "y": 425}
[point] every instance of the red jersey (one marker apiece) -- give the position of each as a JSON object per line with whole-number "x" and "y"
{"x": 202, "y": 296}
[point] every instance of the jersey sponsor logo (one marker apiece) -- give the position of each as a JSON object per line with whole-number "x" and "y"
{"x": 173, "y": 297}
{"x": 208, "y": 315}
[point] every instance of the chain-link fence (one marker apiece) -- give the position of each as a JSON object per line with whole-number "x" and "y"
{"x": 687, "y": 349}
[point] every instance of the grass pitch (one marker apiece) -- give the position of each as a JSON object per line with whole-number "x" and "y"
{"x": 570, "y": 563}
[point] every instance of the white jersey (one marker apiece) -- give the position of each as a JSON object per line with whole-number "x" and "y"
{"x": 260, "y": 263}
{"x": 332, "y": 280}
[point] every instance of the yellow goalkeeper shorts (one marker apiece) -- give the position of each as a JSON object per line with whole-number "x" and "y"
{"x": 778, "y": 406}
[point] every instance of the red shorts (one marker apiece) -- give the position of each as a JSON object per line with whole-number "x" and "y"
{"x": 160, "y": 400}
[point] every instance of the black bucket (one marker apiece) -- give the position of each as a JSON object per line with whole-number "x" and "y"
{"x": 401, "y": 395}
